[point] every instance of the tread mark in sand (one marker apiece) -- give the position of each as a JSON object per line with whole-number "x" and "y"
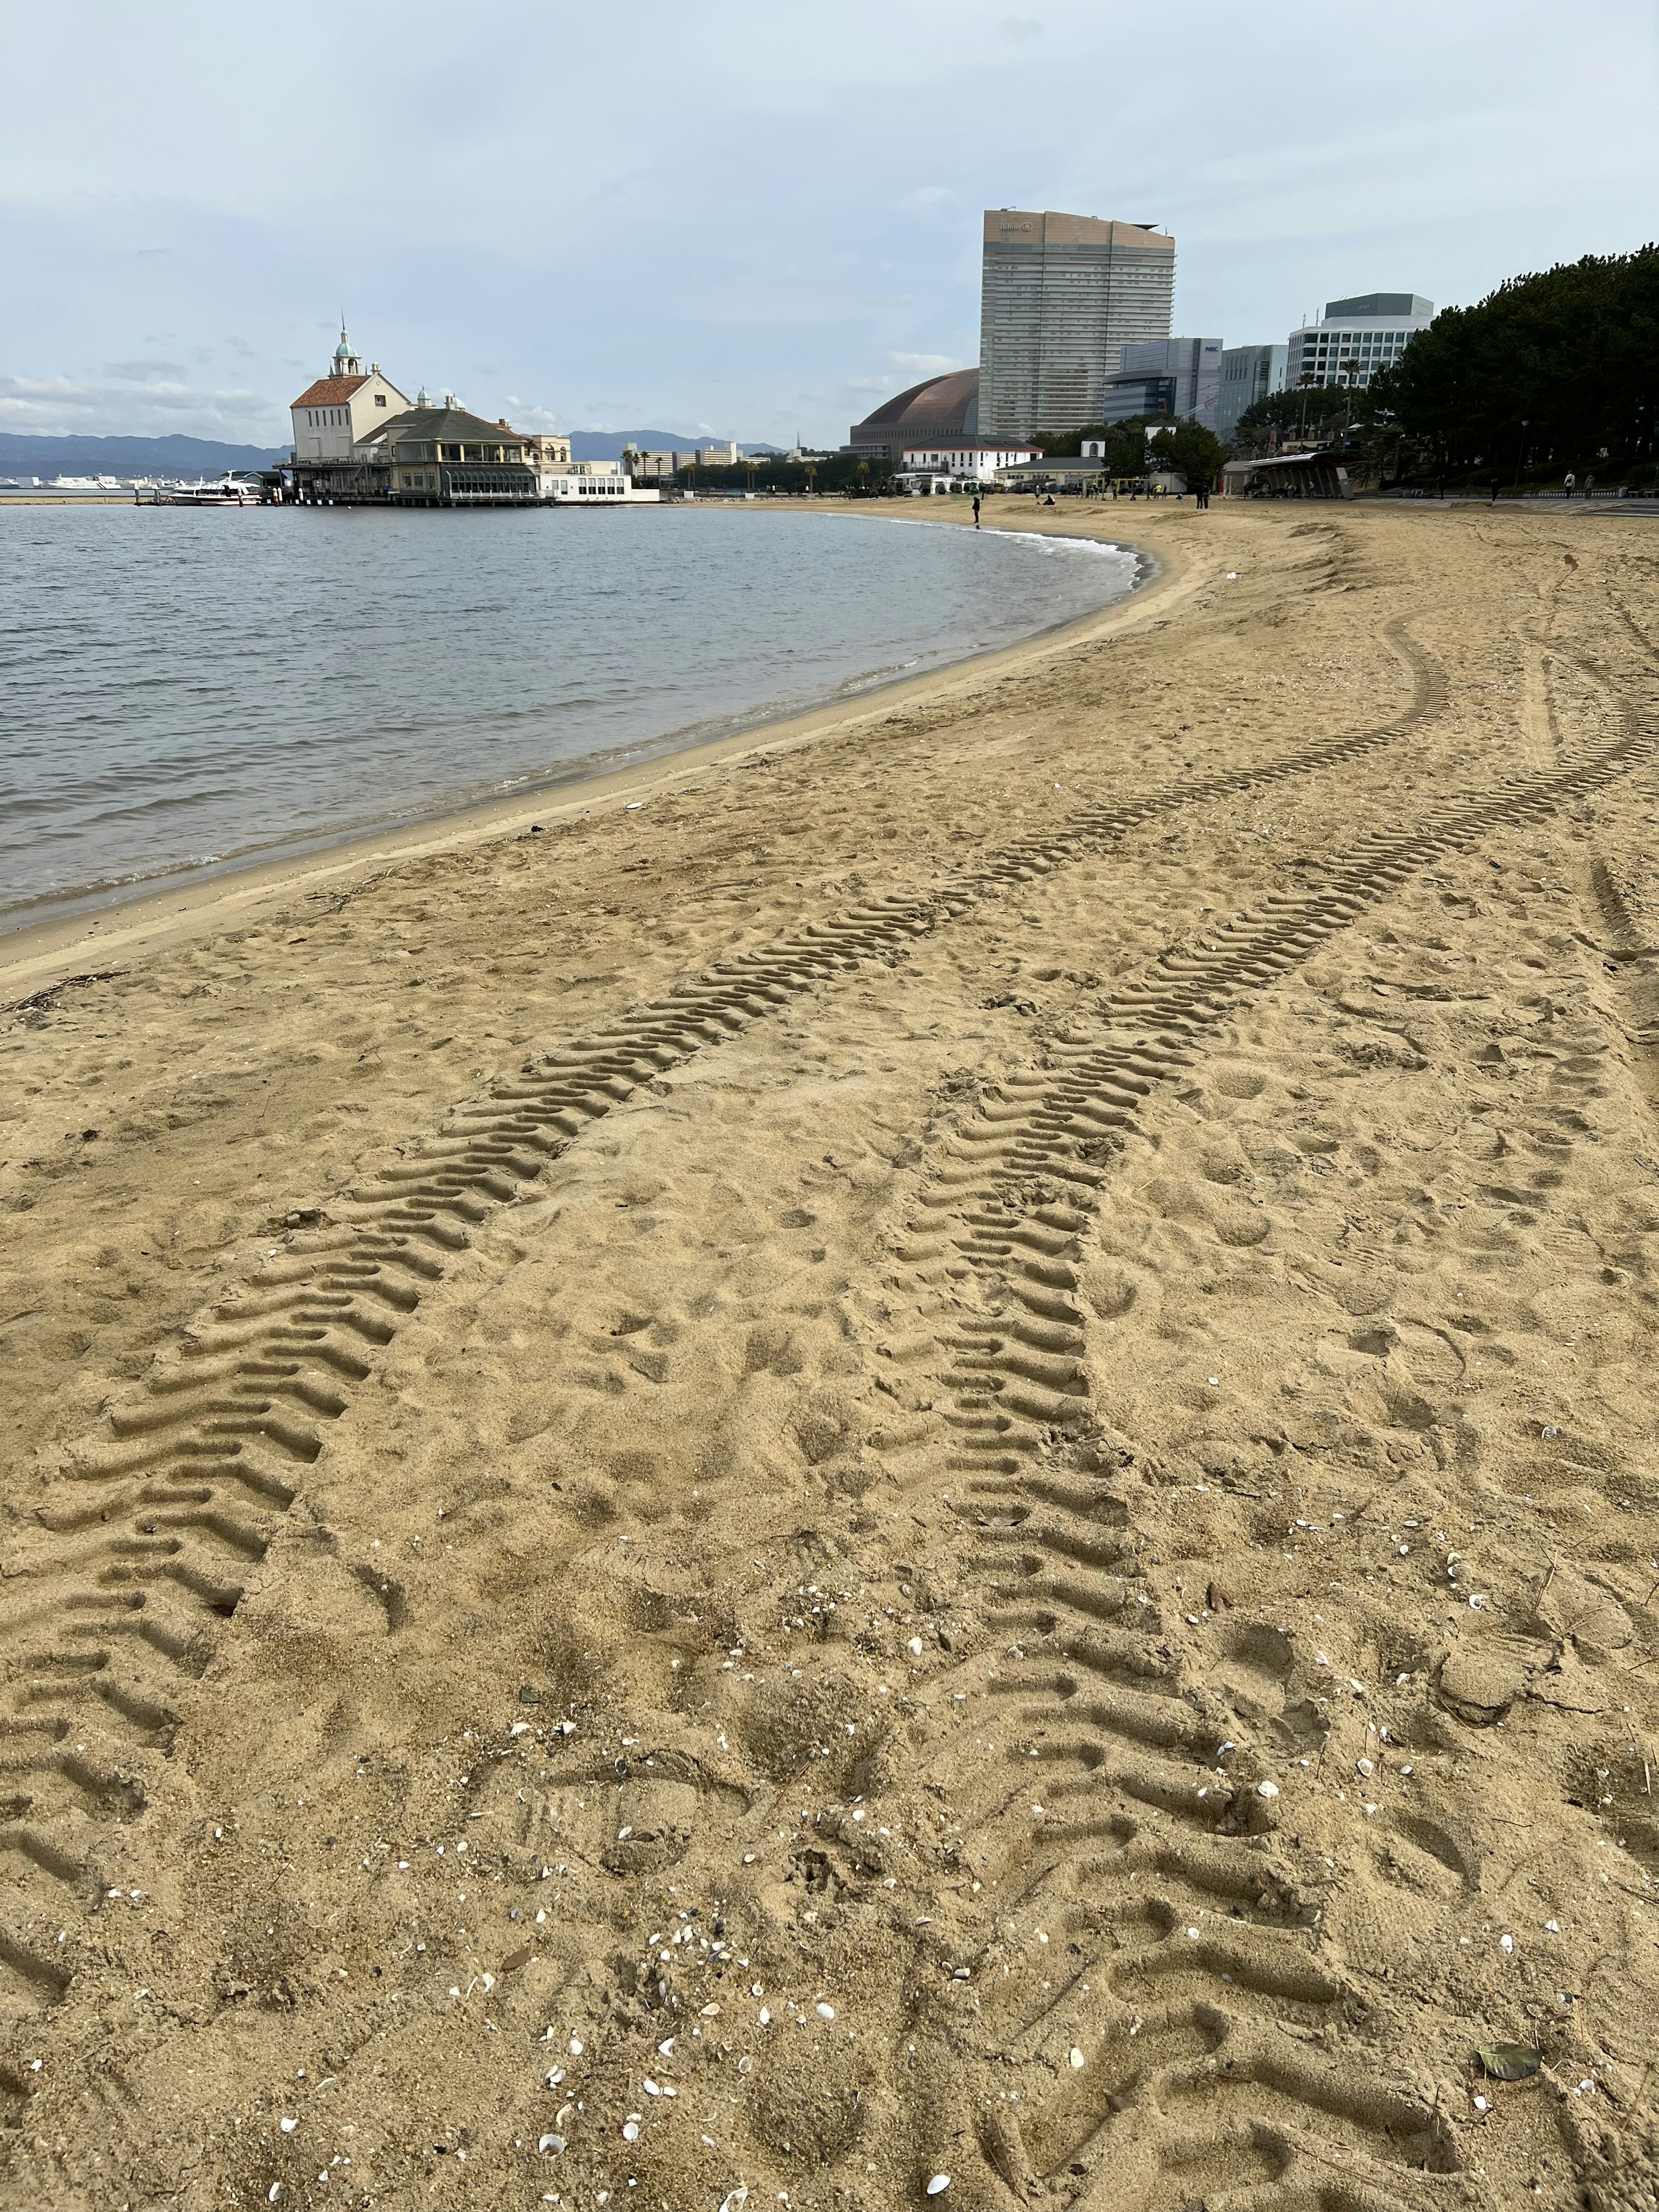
{"x": 138, "y": 1555}
{"x": 1173, "y": 2062}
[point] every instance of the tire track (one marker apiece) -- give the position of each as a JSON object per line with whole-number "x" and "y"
{"x": 140, "y": 1553}
{"x": 1186, "y": 2054}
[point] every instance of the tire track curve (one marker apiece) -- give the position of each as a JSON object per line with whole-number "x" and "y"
{"x": 1192, "y": 2052}
{"x": 125, "y": 1575}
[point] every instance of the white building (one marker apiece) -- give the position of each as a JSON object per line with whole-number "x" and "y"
{"x": 330, "y": 416}
{"x": 547, "y": 449}
{"x": 1357, "y": 337}
{"x": 590, "y": 483}
{"x": 1247, "y": 373}
{"x": 977, "y": 462}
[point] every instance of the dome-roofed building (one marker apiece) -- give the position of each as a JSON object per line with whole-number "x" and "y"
{"x": 932, "y": 432}
{"x": 941, "y": 410}
{"x": 342, "y": 406}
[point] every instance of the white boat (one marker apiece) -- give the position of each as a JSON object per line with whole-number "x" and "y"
{"x": 230, "y": 491}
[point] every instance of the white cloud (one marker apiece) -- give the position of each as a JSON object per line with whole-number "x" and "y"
{"x": 59, "y": 406}
{"x": 142, "y": 372}
{"x": 795, "y": 210}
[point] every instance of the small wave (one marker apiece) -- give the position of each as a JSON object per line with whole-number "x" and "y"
{"x": 190, "y": 716}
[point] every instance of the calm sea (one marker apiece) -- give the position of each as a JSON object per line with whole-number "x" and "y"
{"x": 182, "y": 692}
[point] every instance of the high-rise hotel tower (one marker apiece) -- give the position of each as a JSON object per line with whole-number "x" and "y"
{"x": 1061, "y": 295}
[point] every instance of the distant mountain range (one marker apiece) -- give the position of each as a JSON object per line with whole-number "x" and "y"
{"x": 24, "y": 454}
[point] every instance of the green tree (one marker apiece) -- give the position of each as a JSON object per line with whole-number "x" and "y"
{"x": 1192, "y": 452}
{"x": 836, "y": 472}
{"x": 1548, "y": 370}
{"x": 1125, "y": 444}
{"x": 1314, "y": 410}
{"x": 1126, "y": 449}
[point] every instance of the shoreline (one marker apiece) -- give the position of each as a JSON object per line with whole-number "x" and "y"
{"x": 151, "y": 917}
{"x": 934, "y": 1308}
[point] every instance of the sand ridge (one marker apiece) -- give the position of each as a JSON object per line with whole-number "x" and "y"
{"x": 984, "y": 1511}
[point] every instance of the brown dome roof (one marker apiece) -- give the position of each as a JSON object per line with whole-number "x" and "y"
{"x": 941, "y": 402}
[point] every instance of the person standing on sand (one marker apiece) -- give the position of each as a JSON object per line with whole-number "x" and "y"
{"x": 976, "y": 510}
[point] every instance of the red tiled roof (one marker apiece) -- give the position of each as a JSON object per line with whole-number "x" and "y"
{"x": 330, "y": 390}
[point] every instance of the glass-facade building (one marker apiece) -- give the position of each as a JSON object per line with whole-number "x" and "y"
{"x": 1061, "y": 295}
{"x": 1247, "y": 373}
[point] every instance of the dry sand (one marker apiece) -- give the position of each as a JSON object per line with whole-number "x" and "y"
{"x": 936, "y": 1459}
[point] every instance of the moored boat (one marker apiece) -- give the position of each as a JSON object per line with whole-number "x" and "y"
{"x": 230, "y": 490}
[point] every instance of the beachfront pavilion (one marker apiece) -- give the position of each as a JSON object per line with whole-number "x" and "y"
{"x": 425, "y": 456}
{"x": 444, "y": 456}
{"x": 1287, "y": 476}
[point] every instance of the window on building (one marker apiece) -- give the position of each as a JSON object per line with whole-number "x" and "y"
{"x": 380, "y": 399}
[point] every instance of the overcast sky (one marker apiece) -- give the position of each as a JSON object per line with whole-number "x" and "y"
{"x": 753, "y": 221}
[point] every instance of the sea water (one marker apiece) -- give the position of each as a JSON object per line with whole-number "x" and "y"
{"x": 185, "y": 691}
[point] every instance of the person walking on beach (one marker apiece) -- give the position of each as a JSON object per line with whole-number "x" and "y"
{"x": 976, "y": 510}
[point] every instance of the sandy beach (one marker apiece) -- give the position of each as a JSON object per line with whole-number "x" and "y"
{"x": 923, "y": 1447}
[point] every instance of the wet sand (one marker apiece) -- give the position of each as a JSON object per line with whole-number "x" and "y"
{"x": 933, "y": 1459}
